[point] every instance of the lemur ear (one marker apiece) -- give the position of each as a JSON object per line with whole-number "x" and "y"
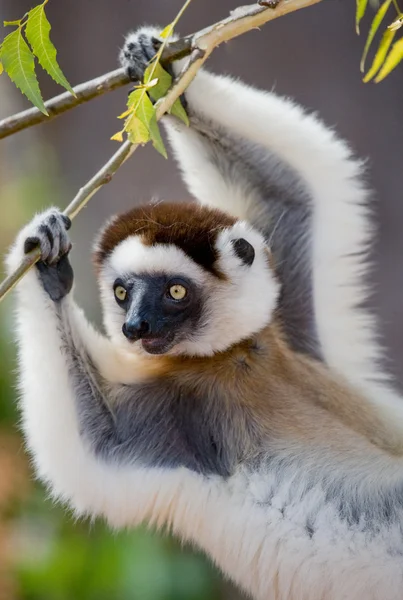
{"x": 244, "y": 250}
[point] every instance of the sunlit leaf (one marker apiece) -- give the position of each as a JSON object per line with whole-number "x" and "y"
{"x": 151, "y": 84}
{"x": 125, "y": 114}
{"x": 18, "y": 62}
{"x": 118, "y": 137}
{"x": 361, "y": 7}
{"x": 1, "y": 68}
{"x": 380, "y": 55}
{"x": 37, "y": 31}
{"x": 160, "y": 89}
{"x": 134, "y": 98}
{"x": 373, "y": 29}
{"x": 394, "y": 57}
{"x": 136, "y": 131}
{"x": 167, "y": 31}
{"x": 137, "y": 123}
{"x": 144, "y": 107}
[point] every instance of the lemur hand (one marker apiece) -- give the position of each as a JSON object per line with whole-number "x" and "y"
{"x": 48, "y": 231}
{"x": 139, "y": 48}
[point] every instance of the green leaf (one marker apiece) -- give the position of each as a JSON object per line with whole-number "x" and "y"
{"x": 161, "y": 87}
{"x": 137, "y": 133}
{"x": 141, "y": 125}
{"x": 37, "y": 32}
{"x": 8, "y": 23}
{"x": 155, "y": 71}
{"x": 178, "y": 111}
{"x": 374, "y": 28}
{"x": 137, "y": 123}
{"x": 380, "y": 55}
{"x": 18, "y": 62}
{"x": 1, "y": 68}
{"x": 361, "y": 7}
{"x": 144, "y": 109}
{"x": 394, "y": 57}
{"x": 142, "y": 105}
{"x": 156, "y": 137}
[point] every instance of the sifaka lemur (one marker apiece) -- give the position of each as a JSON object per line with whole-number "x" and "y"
{"x": 237, "y": 398}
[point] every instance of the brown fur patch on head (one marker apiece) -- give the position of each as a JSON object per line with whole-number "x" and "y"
{"x": 191, "y": 227}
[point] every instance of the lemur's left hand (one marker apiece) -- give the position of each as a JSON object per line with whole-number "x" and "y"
{"x": 48, "y": 231}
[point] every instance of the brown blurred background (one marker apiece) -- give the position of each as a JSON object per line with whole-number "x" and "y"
{"x": 312, "y": 55}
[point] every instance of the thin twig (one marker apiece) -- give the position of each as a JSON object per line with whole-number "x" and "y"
{"x": 202, "y": 43}
{"x": 397, "y": 8}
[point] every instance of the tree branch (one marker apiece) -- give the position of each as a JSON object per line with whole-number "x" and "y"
{"x": 200, "y": 45}
{"x": 84, "y": 92}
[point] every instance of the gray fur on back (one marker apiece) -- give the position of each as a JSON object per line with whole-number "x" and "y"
{"x": 283, "y": 215}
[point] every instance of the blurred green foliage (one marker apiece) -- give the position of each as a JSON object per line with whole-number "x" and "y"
{"x": 51, "y": 555}
{"x": 75, "y": 560}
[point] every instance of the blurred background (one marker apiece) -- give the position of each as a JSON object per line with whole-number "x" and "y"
{"x": 312, "y": 55}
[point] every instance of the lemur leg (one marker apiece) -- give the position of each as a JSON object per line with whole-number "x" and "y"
{"x": 258, "y": 155}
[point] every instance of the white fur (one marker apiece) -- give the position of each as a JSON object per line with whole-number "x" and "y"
{"x": 249, "y": 293}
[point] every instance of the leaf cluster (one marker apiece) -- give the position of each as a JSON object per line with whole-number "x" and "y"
{"x": 140, "y": 117}
{"x": 389, "y": 52}
{"x": 17, "y": 57}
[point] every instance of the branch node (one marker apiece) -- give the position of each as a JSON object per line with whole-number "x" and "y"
{"x": 269, "y": 3}
{"x": 106, "y": 179}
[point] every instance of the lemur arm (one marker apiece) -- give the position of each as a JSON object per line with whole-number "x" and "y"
{"x": 49, "y": 403}
{"x": 321, "y": 233}
{"x": 90, "y": 436}
{"x": 265, "y": 159}
{"x": 334, "y": 199}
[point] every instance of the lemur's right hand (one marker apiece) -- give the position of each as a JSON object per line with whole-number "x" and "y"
{"x": 139, "y": 48}
{"x": 48, "y": 231}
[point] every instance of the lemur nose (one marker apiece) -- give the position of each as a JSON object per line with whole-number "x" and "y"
{"x": 135, "y": 330}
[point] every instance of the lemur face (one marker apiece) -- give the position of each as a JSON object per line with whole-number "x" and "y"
{"x": 183, "y": 279}
{"x": 160, "y": 309}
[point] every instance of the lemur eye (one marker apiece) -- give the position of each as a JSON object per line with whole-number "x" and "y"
{"x": 120, "y": 293}
{"x": 177, "y": 291}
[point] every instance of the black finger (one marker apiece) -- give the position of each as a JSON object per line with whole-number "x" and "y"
{"x": 67, "y": 222}
{"x": 46, "y": 231}
{"x": 31, "y": 243}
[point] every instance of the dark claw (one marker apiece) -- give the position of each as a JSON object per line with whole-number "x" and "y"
{"x": 47, "y": 231}
{"x": 30, "y": 244}
{"x": 67, "y": 222}
{"x": 156, "y": 43}
{"x": 269, "y": 3}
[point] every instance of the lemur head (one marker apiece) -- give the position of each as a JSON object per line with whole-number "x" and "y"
{"x": 183, "y": 279}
